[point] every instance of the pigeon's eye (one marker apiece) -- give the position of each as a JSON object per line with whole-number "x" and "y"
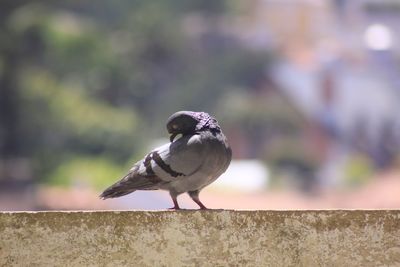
{"x": 174, "y": 126}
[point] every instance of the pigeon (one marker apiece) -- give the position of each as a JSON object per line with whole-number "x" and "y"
{"x": 185, "y": 165}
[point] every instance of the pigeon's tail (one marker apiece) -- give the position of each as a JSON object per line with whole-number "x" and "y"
{"x": 120, "y": 188}
{"x": 130, "y": 183}
{"x": 115, "y": 191}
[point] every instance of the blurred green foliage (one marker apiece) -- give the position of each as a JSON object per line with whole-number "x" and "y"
{"x": 85, "y": 171}
{"x": 358, "y": 170}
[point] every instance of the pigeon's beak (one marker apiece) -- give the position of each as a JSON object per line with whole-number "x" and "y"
{"x": 172, "y": 137}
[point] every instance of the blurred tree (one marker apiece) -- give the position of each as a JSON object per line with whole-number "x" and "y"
{"x": 47, "y": 113}
{"x": 10, "y": 51}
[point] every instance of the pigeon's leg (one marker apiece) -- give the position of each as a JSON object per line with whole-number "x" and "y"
{"x": 174, "y": 199}
{"x": 195, "y": 196}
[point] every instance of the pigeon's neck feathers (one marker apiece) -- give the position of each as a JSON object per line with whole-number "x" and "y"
{"x": 206, "y": 122}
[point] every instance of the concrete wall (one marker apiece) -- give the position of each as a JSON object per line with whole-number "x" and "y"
{"x": 200, "y": 238}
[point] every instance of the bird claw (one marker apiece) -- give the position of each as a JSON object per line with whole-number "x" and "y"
{"x": 175, "y": 208}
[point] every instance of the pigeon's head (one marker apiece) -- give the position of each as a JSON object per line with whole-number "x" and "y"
{"x": 190, "y": 122}
{"x": 181, "y": 122}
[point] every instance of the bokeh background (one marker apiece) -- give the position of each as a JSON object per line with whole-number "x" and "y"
{"x": 307, "y": 92}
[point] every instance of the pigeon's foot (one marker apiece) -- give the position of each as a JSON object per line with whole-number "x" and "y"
{"x": 176, "y": 205}
{"x": 202, "y": 207}
{"x": 175, "y": 208}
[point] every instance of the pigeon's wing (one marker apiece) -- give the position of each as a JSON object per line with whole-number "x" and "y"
{"x": 178, "y": 159}
{"x": 164, "y": 164}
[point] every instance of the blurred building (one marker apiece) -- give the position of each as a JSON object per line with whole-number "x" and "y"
{"x": 337, "y": 66}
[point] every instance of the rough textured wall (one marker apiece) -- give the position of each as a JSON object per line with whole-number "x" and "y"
{"x": 200, "y": 238}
